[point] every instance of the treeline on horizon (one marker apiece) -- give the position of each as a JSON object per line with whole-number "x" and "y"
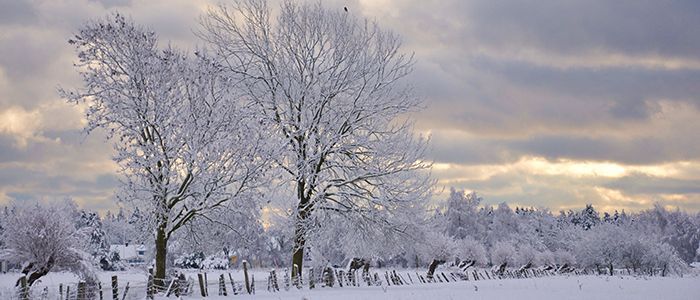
{"x": 652, "y": 241}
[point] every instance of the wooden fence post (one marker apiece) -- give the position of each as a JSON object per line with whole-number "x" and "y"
{"x": 341, "y": 276}
{"x": 286, "y": 279}
{"x": 222, "y": 286}
{"x": 311, "y": 279}
{"x": 201, "y": 284}
{"x": 172, "y": 286}
{"x": 149, "y": 287}
{"x": 23, "y": 289}
{"x": 233, "y": 285}
{"x": 245, "y": 273}
{"x": 274, "y": 280}
{"x": 296, "y": 279}
{"x": 126, "y": 290}
{"x": 81, "y": 290}
{"x": 115, "y": 288}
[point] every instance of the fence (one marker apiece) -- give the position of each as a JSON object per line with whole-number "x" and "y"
{"x": 225, "y": 285}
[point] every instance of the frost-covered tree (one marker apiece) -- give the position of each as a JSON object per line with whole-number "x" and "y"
{"x": 90, "y": 224}
{"x": 601, "y": 247}
{"x": 184, "y": 144}
{"x": 119, "y": 230}
{"x": 42, "y": 237}
{"x": 331, "y": 86}
{"x": 460, "y": 213}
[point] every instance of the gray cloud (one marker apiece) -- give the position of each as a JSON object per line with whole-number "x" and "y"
{"x": 113, "y": 3}
{"x": 17, "y": 12}
{"x": 668, "y": 28}
{"x": 644, "y": 184}
{"x": 493, "y": 72}
{"x": 449, "y": 148}
{"x": 646, "y": 27}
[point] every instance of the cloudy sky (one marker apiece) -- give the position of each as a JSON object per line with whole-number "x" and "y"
{"x": 536, "y": 103}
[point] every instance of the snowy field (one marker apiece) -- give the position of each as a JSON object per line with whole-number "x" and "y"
{"x": 553, "y": 287}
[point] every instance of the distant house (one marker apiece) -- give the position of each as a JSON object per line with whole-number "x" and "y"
{"x": 129, "y": 253}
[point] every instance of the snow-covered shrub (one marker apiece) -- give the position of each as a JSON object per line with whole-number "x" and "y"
{"x": 527, "y": 255}
{"x": 439, "y": 246}
{"x": 42, "y": 238}
{"x": 503, "y": 253}
{"x": 471, "y": 250}
{"x": 546, "y": 258}
{"x": 662, "y": 259}
{"x": 198, "y": 260}
{"x": 562, "y": 257}
{"x": 216, "y": 262}
{"x": 190, "y": 261}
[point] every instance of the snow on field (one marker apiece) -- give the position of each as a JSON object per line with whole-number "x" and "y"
{"x": 554, "y": 287}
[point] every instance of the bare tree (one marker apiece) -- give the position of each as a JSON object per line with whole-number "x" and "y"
{"x": 184, "y": 145}
{"x": 42, "y": 237}
{"x": 331, "y": 86}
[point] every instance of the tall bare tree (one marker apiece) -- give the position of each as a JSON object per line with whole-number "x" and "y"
{"x": 184, "y": 145}
{"x": 330, "y": 84}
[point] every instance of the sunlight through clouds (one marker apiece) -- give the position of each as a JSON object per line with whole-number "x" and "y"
{"x": 549, "y": 103}
{"x": 20, "y": 124}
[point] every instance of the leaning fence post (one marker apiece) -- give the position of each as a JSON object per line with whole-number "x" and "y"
{"x": 173, "y": 285}
{"x": 149, "y": 287}
{"x": 233, "y": 285}
{"x": 245, "y": 273}
{"x": 206, "y": 284}
{"x": 126, "y": 290}
{"x": 252, "y": 284}
{"x": 23, "y": 290}
{"x": 201, "y": 284}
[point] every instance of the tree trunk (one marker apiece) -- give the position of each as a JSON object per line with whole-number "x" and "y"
{"x": 433, "y": 265}
{"x": 300, "y": 230}
{"x": 299, "y": 243}
{"x": 161, "y": 252}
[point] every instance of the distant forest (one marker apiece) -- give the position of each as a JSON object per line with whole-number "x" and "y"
{"x": 652, "y": 241}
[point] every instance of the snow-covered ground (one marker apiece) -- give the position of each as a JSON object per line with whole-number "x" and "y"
{"x": 553, "y": 287}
